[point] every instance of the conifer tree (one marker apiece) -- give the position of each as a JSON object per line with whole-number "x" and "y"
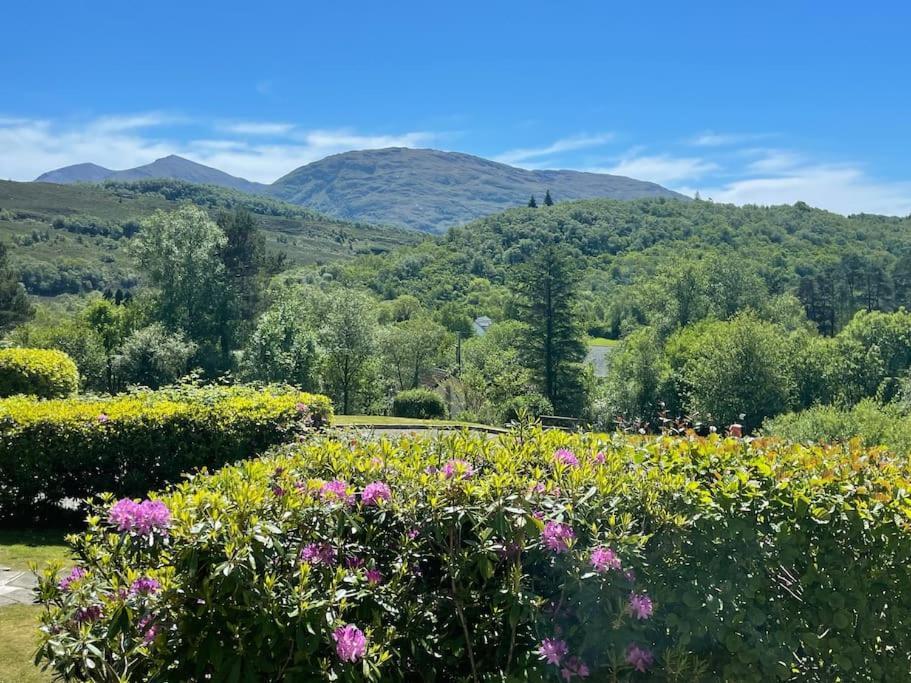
{"x": 547, "y": 199}
{"x": 532, "y": 204}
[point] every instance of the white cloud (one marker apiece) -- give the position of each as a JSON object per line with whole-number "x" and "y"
{"x": 257, "y": 128}
{"x": 844, "y": 189}
{"x": 712, "y": 139}
{"x": 661, "y": 168}
{"x": 31, "y": 147}
{"x": 774, "y": 160}
{"x": 570, "y": 144}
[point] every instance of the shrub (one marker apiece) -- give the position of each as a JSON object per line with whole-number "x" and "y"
{"x": 422, "y": 404}
{"x": 51, "y": 450}
{"x": 533, "y": 405}
{"x": 45, "y": 373}
{"x": 478, "y": 559}
{"x": 153, "y": 357}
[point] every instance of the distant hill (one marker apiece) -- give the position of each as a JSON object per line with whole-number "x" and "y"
{"x": 423, "y": 189}
{"x": 172, "y": 166}
{"x": 72, "y": 239}
{"x": 432, "y": 190}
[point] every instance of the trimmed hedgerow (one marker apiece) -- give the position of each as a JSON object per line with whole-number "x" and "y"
{"x": 422, "y": 404}
{"x": 45, "y": 373}
{"x": 538, "y": 556}
{"x": 74, "y": 448}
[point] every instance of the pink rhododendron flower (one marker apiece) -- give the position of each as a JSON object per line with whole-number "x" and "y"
{"x": 640, "y": 605}
{"x": 553, "y": 650}
{"x": 103, "y": 417}
{"x": 90, "y": 613}
{"x": 603, "y": 559}
{"x": 76, "y": 573}
{"x": 567, "y": 457}
{"x": 412, "y": 534}
{"x": 148, "y": 629}
{"x": 145, "y": 586}
{"x": 458, "y": 468}
{"x": 149, "y": 515}
{"x": 318, "y": 553}
{"x": 574, "y": 667}
{"x": 354, "y": 562}
{"x": 639, "y": 658}
{"x": 374, "y": 577}
{"x": 376, "y": 492}
{"x": 599, "y": 458}
{"x": 350, "y": 643}
{"x": 337, "y": 490}
{"x": 557, "y": 536}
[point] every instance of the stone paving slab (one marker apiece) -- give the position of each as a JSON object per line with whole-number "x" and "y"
{"x": 17, "y": 587}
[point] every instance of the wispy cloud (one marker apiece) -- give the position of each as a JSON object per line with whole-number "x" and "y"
{"x": 662, "y": 168}
{"x": 568, "y": 144}
{"x": 261, "y": 151}
{"x": 713, "y": 139}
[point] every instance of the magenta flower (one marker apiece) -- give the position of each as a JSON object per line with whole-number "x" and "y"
{"x": 640, "y": 605}
{"x": 574, "y": 667}
{"x": 567, "y": 457}
{"x": 354, "y": 562}
{"x": 639, "y": 658}
{"x": 86, "y": 614}
{"x": 337, "y": 491}
{"x": 557, "y": 536}
{"x": 149, "y": 515}
{"x": 376, "y": 492}
{"x": 76, "y": 573}
{"x": 458, "y": 469}
{"x": 412, "y": 534}
{"x": 350, "y": 643}
{"x": 318, "y": 553}
{"x": 103, "y": 417}
{"x": 144, "y": 586}
{"x": 599, "y": 457}
{"x": 148, "y": 629}
{"x": 374, "y": 577}
{"x": 603, "y": 559}
{"x": 553, "y": 650}
{"x": 278, "y": 491}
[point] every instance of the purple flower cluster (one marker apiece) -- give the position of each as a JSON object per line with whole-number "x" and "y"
{"x": 149, "y": 515}
{"x": 90, "y": 613}
{"x": 640, "y": 605}
{"x": 458, "y": 469}
{"x": 555, "y": 652}
{"x": 374, "y": 577}
{"x": 639, "y": 658}
{"x": 337, "y": 491}
{"x": 144, "y": 586}
{"x": 557, "y": 536}
{"x": 148, "y": 629}
{"x": 376, "y": 492}
{"x": 603, "y": 559}
{"x": 76, "y": 573}
{"x": 567, "y": 457}
{"x": 318, "y": 553}
{"x": 350, "y": 643}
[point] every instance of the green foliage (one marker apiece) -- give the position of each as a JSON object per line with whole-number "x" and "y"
{"x": 283, "y": 347}
{"x": 43, "y": 373}
{"x": 422, "y": 404}
{"x": 153, "y": 357}
{"x": 14, "y": 304}
{"x": 348, "y": 339}
{"x": 411, "y": 349}
{"x": 526, "y": 406}
{"x": 73, "y": 448}
{"x": 749, "y": 550}
{"x": 638, "y": 381}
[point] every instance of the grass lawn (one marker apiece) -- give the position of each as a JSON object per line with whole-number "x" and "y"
{"x": 387, "y": 421}
{"x": 18, "y": 626}
{"x": 601, "y": 341}
{"x": 18, "y": 623}
{"x": 18, "y": 548}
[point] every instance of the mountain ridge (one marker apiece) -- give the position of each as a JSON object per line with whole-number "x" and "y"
{"x": 424, "y": 189}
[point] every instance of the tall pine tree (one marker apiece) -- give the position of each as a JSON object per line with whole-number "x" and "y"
{"x": 546, "y": 290}
{"x": 532, "y": 204}
{"x": 547, "y": 199}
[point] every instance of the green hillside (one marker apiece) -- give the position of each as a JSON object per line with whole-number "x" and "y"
{"x": 67, "y": 239}
{"x": 633, "y": 252}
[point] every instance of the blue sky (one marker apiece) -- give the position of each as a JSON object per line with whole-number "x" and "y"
{"x": 746, "y": 102}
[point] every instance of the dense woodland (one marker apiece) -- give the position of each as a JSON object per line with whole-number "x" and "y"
{"x": 719, "y": 314}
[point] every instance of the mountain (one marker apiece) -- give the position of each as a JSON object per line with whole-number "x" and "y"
{"x": 171, "y": 166}
{"x": 423, "y": 189}
{"x": 432, "y": 190}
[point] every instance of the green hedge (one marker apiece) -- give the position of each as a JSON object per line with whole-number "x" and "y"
{"x": 74, "y": 448}
{"x": 422, "y": 404}
{"x": 45, "y": 373}
{"x": 693, "y": 559}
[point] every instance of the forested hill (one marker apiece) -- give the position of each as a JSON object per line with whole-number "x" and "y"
{"x": 630, "y": 250}
{"x": 70, "y": 239}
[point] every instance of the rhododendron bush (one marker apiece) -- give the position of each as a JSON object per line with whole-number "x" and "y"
{"x": 535, "y": 557}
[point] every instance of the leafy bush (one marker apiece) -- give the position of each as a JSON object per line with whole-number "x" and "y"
{"x": 45, "y": 373}
{"x": 152, "y": 357}
{"x": 73, "y": 448}
{"x": 422, "y": 404}
{"x": 532, "y": 405}
{"x": 691, "y": 559}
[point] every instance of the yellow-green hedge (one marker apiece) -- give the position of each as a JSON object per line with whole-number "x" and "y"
{"x": 73, "y": 448}
{"x": 45, "y": 373}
